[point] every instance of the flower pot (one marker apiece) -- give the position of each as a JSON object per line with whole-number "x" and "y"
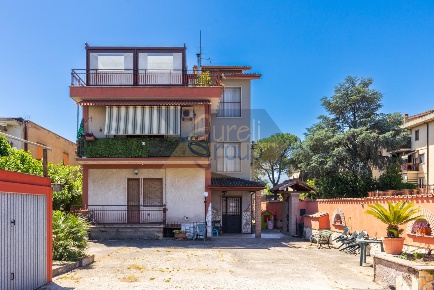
{"x": 426, "y": 231}
{"x": 180, "y": 236}
{"x": 90, "y": 138}
{"x": 393, "y": 246}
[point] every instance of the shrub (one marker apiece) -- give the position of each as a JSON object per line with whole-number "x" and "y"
{"x": 70, "y": 177}
{"x": 69, "y": 236}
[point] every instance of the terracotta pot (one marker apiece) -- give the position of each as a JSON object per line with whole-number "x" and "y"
{"x": 393, "y": 246}
{"x": 426, "y": 231}
{"x": 180, "y": 236}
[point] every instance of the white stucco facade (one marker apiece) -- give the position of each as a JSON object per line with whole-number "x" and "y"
{"x": 182, "y": 190}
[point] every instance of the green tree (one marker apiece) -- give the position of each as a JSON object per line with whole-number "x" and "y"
{"x": 392, "y": 179}
{"x": 275, "y": 156}
{"x": 348, "y": 142}
{"x": 18, "y": 160}
{"x": 70, "y": 177}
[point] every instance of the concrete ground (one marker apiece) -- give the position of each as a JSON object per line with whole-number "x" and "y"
{"x": 227, "y": 262}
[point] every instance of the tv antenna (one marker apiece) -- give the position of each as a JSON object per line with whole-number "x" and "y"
{"x": 199, "y": 55}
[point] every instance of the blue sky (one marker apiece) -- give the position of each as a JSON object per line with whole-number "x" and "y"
{"x": 303, "y": 49}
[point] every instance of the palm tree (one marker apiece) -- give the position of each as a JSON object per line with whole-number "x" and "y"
{"x": 396, "y": 215}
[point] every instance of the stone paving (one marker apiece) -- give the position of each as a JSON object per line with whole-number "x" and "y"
{"x": 227, "y": 262}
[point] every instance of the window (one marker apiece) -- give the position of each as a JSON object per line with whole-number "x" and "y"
{"x": 65, "y": 158}
{"x": 152, "y": 191}
{"x": 421, "y": 158}
{"x": 421, "y": 182}
{"x": 228, "y": 156}
{"x": 39, "y": 152}
{"x": 142, "y": 120}
{"x": 230, "y": 103}
{"x": 111, "y": 69}
{"x": 160, "y": 68}
{"x": 416, "y": 135}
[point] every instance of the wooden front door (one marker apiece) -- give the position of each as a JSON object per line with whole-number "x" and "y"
{"x": 231, "y": 214}
{"x": 133, "y": 200}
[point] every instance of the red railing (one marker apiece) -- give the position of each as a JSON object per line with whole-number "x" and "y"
{"x": 123, "y": 214}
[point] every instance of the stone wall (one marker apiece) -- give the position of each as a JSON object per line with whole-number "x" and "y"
{"x": 393, "y": 272}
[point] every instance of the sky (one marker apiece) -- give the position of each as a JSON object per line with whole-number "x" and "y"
{"x": 303, "y": 49}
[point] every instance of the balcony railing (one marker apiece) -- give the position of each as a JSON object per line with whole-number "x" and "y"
{"x": 142, "y": 147}
{"x": 409, "y": 167}
{"x": 125, "y": 77}
{"x": 126, "y": 214}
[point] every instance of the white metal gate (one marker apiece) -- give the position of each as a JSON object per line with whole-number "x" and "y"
{"x": 23, "y": 241}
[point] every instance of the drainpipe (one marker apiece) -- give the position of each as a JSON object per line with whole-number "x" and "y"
{"x": 26, "y": 147}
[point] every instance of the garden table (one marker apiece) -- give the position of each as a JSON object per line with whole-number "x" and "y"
{"x": 363, "y": 244}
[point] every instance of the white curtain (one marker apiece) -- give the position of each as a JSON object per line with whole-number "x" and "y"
{"x": 142, "y": 120}
{"x": 228, "y": 157}
{"x": 230, "y": 103}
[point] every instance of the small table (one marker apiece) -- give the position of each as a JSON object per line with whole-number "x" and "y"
{"x": 363, "y": 244}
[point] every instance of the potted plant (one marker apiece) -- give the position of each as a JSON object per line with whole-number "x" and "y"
{"x": 180, "y": 234}
{"x": 89, "y": 137}
{"x": 394, "y": 216}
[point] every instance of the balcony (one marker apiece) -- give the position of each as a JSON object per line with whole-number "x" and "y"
{"x": 142, "y": 147}
{"x": 123, "y": 214}
{"x": 409, "y": 167}
{"x": 132, "y": 77}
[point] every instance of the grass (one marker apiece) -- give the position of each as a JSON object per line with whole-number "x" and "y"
{"x": 136, "y": 267}
{"x": 129, "y": 278}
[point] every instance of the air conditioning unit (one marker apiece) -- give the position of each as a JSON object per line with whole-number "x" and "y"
{"x": 187, "y": 114}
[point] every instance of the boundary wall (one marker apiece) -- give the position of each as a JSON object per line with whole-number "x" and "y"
{"x": 352, "y": 213}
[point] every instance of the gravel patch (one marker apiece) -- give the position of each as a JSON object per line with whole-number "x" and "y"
{"x": 221, "y": 263}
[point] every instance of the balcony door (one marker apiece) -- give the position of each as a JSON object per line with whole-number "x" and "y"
{"x": 231, "y": 214}
{"x": 133, "y": 200}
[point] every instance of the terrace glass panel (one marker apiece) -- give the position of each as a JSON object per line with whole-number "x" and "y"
{"x": 160, "y": 68}
{"x": 111, "y": 69}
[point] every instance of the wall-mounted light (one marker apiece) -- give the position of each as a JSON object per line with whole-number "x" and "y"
{"x": 136, "y": 171}
{"x": 224, "y": 192}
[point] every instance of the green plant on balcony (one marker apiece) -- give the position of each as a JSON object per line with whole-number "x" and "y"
{"x": 203, "y": 79}
{"x": 141, "y": 148}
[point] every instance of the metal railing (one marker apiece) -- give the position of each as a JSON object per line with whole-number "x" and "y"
{"x": 127, "y": 214}
{"x": 131, "y": 77}
{"x": 409, "y": 167}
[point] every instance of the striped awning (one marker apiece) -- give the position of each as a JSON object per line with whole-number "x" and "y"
{"x": 142, "y": 120}
{"x": 143, "y": 103}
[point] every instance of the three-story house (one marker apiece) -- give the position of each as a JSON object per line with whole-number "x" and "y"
{"x": 164, "y": 147}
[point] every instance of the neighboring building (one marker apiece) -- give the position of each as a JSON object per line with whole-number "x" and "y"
{"x": 419, "y": 166}
{"x": 158, "y": 137}
{"x": 63, "y": 150}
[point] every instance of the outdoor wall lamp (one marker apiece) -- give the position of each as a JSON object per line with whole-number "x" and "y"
{"x": 136, "y": 171}
{"x": 205, "y": 195}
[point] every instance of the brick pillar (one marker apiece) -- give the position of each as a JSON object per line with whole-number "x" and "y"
{"x": 258, "y": 214}
{"x": 294, "y": 212}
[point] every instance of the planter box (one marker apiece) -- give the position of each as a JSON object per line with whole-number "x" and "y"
{"x": 398, "y": 273}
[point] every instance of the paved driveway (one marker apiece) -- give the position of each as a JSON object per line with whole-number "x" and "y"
{"x": 223, "y": 263}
